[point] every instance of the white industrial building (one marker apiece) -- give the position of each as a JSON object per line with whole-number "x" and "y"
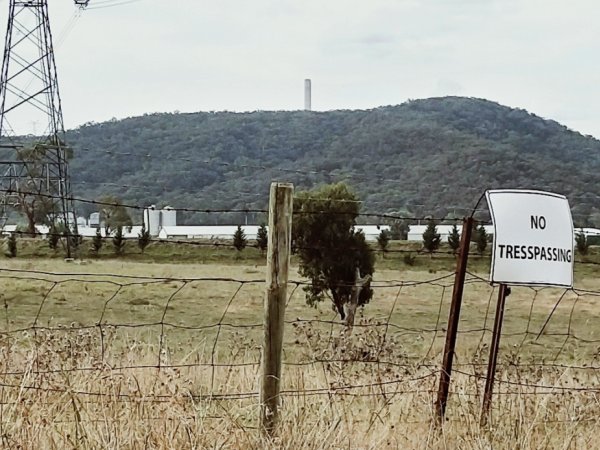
{"x": 415, "y": 232}
{"x": 84, "y": 231}
{"x": 372, "y": 232}
{"x": 94, "y": 220}
{"x": 227, "y": 231}
{"x": 588, "y": 231}
{"x": 162, "y": 224}
{"x": 40, "y": 229}
{"x": 206, "y": 232}
{"x": 156, "y": 219}
{"x": 128, "y": 232}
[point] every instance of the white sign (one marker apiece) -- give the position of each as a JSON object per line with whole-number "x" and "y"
{"x": 533, "y": 238}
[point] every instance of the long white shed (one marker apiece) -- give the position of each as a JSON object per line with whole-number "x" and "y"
{"x": 206, "y": 232}
{"x": 415, "y": 232}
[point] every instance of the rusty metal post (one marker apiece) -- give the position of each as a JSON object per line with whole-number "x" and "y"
{"x": 493, "y": 358}
{"x": 453, "y": 317}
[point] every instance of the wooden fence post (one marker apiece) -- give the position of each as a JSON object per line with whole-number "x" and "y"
{"x": 278, "y": 261}
{"x": 453, "y": 317}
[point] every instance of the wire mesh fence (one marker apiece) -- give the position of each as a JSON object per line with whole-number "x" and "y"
{"x": 103, "y": 347}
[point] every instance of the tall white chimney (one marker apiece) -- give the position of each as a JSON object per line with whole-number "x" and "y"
{"x": 307, "y": 95}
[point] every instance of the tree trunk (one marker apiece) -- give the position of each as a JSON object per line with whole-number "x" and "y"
{"x": 31, "y": 225}
{"x": 338, "y": 304}
{"x": 29, "y": 211}
{"x": 359, "y": 283}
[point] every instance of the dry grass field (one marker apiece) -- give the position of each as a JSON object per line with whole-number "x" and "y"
{"x": 118, "y": 354}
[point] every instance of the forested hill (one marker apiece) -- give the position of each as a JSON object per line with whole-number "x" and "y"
{"x": 432, "y": 156}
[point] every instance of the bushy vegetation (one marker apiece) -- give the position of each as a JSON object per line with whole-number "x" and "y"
{"x": 582, "y": 243}
{"x": 262, "y": 238}
{"x": 53, "y": 237}
{"x": 97, "y": 242}
{"x": 118, "y": 241}
{"x": 330, "y": 252}
{"x": 454, "y": 239}
{"x": 481, "y": 239}
{"x": 383, "y": 241}
{"x": 239, "y": 239}
{"x": 143, "y": 238}
{"x": 11, "y": 245}
{"x": 431, "y": 238}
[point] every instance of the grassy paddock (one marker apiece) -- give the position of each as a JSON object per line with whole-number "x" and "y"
{"x": 81, "y": 350}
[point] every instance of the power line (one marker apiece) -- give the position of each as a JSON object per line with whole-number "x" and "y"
{"x": 110, "y": 4}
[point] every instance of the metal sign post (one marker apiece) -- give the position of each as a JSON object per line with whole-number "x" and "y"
{"x": 453, "y": 317}
{"x": 493, "y": 358}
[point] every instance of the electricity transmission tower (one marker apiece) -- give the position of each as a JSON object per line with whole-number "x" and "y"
{"x": 34, "y": 176}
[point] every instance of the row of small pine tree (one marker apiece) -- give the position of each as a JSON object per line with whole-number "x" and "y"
{"x": 54, "y": 240}
{"x": 432, "y": 240}
{"x": 118, "y": 241}
{"x": 240, "y": 241}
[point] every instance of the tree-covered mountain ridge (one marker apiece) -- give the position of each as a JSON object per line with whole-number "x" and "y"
{"x": 433, "y": 156}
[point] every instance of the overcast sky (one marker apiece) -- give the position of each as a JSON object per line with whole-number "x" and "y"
{"x": 143, "y": 56}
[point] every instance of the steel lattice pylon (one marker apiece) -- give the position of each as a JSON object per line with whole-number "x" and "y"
{"x": 32, "y": 164}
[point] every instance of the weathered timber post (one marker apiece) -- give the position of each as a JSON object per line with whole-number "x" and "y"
{"x": 493, "y": 358}
{"x": 278, "y": 261}
{"x": 453, "y": 317}
{"x": 359, "y": 284}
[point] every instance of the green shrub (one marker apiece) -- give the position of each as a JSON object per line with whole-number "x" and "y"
{"x": 409, "y": 259}
{"x": 11, "y": 245}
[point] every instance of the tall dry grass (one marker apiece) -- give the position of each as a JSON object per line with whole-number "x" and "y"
{"x": 58, "y": 391}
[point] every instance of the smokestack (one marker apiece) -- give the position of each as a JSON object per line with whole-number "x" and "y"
{"x": 307, "y": 95}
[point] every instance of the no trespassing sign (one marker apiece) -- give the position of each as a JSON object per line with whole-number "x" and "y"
{"x": 533, "y": 238}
